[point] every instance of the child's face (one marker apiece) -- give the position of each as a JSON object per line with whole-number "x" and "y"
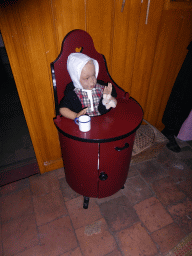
{"x": 87, "y": 78}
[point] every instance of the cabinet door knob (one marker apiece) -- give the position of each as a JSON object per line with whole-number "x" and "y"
{"x": 120, "y": 149}
{"x": 103, "y": 176}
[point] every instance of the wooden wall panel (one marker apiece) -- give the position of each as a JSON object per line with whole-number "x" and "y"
{"x": 161, "y": 67}
{"x": 67, "y": 15}
{"x": 32, "y": 77}
{"x": 99, "y": 24}
{"x": 13, "y": 38}
{"x": 172, "y": 52}
{"x": 33, "y": 32}
{"x": 145, "y": 50}
{"x": 144, "y": 59}
{"x": 126, "y": 25}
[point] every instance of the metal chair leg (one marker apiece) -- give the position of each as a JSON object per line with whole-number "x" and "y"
{"x": 86, "y": 202}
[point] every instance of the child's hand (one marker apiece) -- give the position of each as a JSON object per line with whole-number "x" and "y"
{"x": 109, "y": 101}
{"x": 108, "y": 89}
{"x": 106, "y": 99}
{"x": 82, "y": 112}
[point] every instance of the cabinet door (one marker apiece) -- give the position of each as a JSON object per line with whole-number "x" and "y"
{"x": 114, "y": 163}
{"x": 80, "y": 164}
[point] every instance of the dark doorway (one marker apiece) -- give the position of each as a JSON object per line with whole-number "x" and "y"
{"x": 17, "y": 156}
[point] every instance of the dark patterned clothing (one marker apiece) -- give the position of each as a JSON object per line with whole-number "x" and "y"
{"x": 179, "y": 104}
{"x": 97, "y": 94}
{"x": 72, "y": 101}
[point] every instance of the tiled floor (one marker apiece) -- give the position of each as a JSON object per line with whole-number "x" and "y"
{"x": 41, "y": 215}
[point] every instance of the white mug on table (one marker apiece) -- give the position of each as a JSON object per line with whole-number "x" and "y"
{"x": 84, "y": 123}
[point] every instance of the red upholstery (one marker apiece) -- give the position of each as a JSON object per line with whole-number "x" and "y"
{"x": 82, "y": 40}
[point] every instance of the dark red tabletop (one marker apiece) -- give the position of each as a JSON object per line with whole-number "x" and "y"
{"x": 118, "y": 123}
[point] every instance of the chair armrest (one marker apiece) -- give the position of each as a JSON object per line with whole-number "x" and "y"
{"x": 126, "y": 96}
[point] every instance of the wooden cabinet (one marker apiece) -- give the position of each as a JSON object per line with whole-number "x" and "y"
{"x": 97, "y": 162}
{"x": 96, "y": 169}
{"x": 80, "y": 162}
{"x": 144, "y": 46}
{"x": 115, "y": 164}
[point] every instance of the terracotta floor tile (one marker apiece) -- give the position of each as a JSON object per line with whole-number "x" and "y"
{"x": 151, "y": 171}
{"x": 136, "y": 190}
{"x": 45, "y": 200}
{"x": 95, "y": 239}
{"x": 179, "y": 171}
{"x": 167, "y": 191}
{"x": 182, "y": 214}
{"x": 60, "y": 173}
{"x": 178, "y": 175}
{"x": 116, "y": 252}
{"x": 186, "y": 187}
{"x": 68, "y": 193}
{"x": 152, "y": 214}
{"x": 170, "y": 163}
{"x": 75, "y": 252}
{"x": 135, "y": 241}
{"x": 175, "y": 164}
{"x": 118, "y": 213}
{"x": 188, "y": 162}
{"x": 132, "y": 171}
{"x": 166, "y": 155}
{"x": 57, "y": 237}
{"x": 49, "y": 207}
{"x": 168, "y": 237}
{"x": 44, "y": 184}
{"x": 108, "y": 198}
{"x": 33, "y": 251}
{"x": 14, "y": 186}
{"x": 19, "y": 234}
{"x": 80, "y": 216}
{"x": 16, "y": 205}
{"x": 186, "y": 153}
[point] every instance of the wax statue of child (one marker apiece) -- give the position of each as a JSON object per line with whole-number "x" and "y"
{"x": 84, "y": 95}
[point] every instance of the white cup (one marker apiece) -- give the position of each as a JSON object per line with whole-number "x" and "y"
{"x": 84, "y": 123}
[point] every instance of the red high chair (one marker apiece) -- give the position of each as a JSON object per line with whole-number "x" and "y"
{"x": 96, "y": 163}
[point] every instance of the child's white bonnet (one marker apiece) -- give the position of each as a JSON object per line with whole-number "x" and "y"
{"x": 75, "y": 63}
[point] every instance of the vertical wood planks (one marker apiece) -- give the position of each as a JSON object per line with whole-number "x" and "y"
{"x": 144, "y": 59}
{"x": 126, "y": 25}
{"x": 67, "y": 15}
{"x": 145, "y": 51}
{"x": 33, "y": 32}
{"x": 171, "y": 53}
{"x": 99, "y": 24}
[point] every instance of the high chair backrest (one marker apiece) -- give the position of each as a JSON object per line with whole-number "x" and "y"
{"x": 78, "y": 41}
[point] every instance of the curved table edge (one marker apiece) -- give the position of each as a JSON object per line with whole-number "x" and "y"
{"x": 99, "y": 140}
